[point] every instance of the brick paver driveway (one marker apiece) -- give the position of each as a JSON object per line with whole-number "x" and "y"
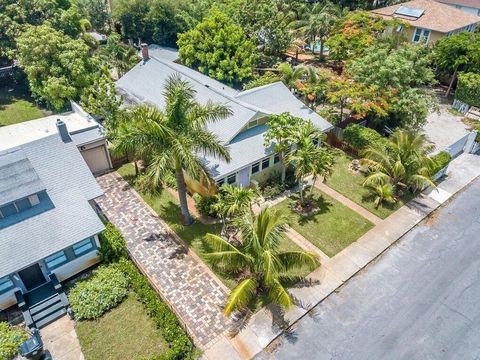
{"x": 182, "y": 280}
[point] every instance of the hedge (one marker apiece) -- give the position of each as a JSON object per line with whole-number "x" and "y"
{"x": 10, "y": 338}
{"x": 361, "y": 137}
{"x": 468, "y": 88}
{"x": 180, "y": 345}
{"x": 93, "y": 297}
{"x": 112, "y": 244}
{"x": 441, "y": 160}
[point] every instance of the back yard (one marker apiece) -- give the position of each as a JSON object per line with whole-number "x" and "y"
{"x": 17, "y": 106}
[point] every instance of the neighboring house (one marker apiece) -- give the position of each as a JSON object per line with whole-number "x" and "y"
{"x": 242, "y": 132}
{"x": 48, "y": 226}
{"x": 470, "y": 6}
{"x": 429, "y": 20}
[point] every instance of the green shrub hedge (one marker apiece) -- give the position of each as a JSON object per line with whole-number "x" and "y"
{"x": 204, "y": 204}
{"x": 10, "y": 338}
{"x": 91, "y": 298}
{"x": 361, "y": 137}
{"x": 441, "y": 160}
{"x": 181, "y": 347}
{"x": 468, "y": 88}
{"x": 112, "y": 244}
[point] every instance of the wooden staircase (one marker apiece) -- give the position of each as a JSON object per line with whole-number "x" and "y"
{"x": 43, "y": 305}
{"x": 473, "y": 113}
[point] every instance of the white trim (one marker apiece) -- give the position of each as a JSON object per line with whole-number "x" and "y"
{"x": 422, "y": 31}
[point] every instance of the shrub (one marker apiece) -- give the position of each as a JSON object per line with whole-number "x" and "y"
{"x": 91, "y": 298}
{"x": 204, "y": 204}
{"x": 361, "y": 137}
{"x": 441, "y": 160}
{"x": 267, "y": 78}
{"x": 10, "y": 338}
{"x": 112, "y": 244}
{"x": 180, "y": 345}
{"x": 468, "y": 88}
{"x": 270, "y": 191}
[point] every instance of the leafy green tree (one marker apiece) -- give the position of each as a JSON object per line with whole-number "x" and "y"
{"x": 173, "y": 139}
{"x": 218, "y": 48}
{"x": 58, "y": 68}
{"x": 118, "y": 55}
{"x": 96, "y": 11}
{"x": 308, "y": 157}
{"x": 459, "y": 52}
{"x": 132, "y": 15}
{"x": 258, "y": 263}
{"x": 268, "y": 77}
{"x": 406, "y": 163}
{"x": 281, "y": 131}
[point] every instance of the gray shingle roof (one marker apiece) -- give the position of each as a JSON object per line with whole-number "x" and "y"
{"x": 18, "y": 179}
{"x": 70, "y": 185}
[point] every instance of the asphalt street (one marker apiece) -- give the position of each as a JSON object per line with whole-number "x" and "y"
{"x": 418, "y": 300}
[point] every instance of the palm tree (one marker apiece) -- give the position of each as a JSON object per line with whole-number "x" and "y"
{"x": 405, "y": 162}
{"x": 258, "y": 263}
{"x": 290, "y": 75}
{"x": 383, "y": 194}
{"x": 234, "y": 201}
{"x": 175, "y": 139}
{"x": 308, "y": 158}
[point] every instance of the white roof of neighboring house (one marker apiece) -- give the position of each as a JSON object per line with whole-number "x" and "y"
{"x": 144, "y": 84}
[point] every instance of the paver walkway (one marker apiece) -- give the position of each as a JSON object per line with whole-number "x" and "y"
{"x": 348, "y": 203}
{"x": 192, "y": 290}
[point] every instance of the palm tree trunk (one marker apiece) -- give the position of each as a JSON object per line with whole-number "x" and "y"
{"x": 182, "y": 195}
{"x": 136, "y": 167}
{"x": 313, "y": 185}
{"x": 321, "y": 49}
{"x": 282, "y": 166}
{"x": 300, "y": 188}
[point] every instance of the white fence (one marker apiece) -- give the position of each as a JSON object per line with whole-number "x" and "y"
{"x": 465, "y": 144}
{"x": 460, "y": 106}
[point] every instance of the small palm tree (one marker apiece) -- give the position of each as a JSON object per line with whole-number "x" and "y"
{"x": 290, "y": 75}
{"x": 234, "y": 201}
{"x": 174, "y": 139}
{"x": 405, "y": 163}
{"x": 383, "y": 194}
{"x": 258, "y": 263}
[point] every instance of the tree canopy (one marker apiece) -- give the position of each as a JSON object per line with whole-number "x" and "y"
{"x": 218, "y": 48}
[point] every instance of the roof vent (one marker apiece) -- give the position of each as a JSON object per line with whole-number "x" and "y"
{"x": 63, "y": 131}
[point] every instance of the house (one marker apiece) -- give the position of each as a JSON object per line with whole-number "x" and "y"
{"x": 48, "y": 226}
{"x": 243, "y": 131}
{"x": 470, "y": 6}
{"x": 429, "y": 20}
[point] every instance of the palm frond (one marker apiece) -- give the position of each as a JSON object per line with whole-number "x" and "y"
{"x": 298, "y": 259}
{"x": 241, "y": 295}
{"x": 279, "y": 295}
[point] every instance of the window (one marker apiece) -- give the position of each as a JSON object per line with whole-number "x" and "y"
{"x": 232, "y": 179}
{"x": 253, "y": 123}
{"x": 23, "y": 204}
{"x": 220, "y": 182}
{"x": 255, "y": 168}
{"x": 276, "y": 158}
{"x": 83, "y": 247}
{"x": 6, "y": 284}
{"x": 8, "y": 210}
{"x": 421, "y": 35}
{"x": 265, "y": 163}
{"x": 17, "y": 206}
{"x": 55, "y": 260}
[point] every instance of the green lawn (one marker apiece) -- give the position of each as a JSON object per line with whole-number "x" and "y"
{"x": 332, "y": 229}
{"x": 167, "y": 207}
{"x": 16, "y": 106}
{"x": 125, "y": 332}
{"x": 349, "y": 184}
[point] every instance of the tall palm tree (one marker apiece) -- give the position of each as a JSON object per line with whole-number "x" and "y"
{"x": 174, "y": 139}
{"x": 258, "y": 262}
{"x": 308, "y": 158}
{"x": 405, "y": 162}
{"x": 234, "y": 201}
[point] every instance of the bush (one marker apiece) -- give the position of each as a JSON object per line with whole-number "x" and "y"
{"x": 10, "y": 338}
{"x": 112, "y": 244}
{"x": 180, "y": 345}
{"x": 91, "y": 298}
{"x": 204, "y": 204}
{"x": 441, "y": 160}
{"x": 468, "y": 88}
{"x": 270, "y": 191}
{"x": 361, "y": 137}
{"x": 267, "y": 78}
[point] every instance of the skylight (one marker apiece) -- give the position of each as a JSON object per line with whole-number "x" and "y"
{"x": 407, "y": 11}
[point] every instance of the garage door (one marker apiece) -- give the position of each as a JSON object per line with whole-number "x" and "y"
{"x": 96, "y": 159}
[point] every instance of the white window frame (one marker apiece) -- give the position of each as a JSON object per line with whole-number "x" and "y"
{"x": 263, "y": 168}
{"x": 255, "y": 164}
{"x": 422, "y": 35}
{"x": 6, "y": 280}
{"x": 229, "y": 176}
{"x": 54, "y": 257}
{"x": 83, "y": 247}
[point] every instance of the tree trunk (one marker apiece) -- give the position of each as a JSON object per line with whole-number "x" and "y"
{"x": 451, "y": 82}
{"x": 282, "y": 166}
{"x": 296, "y": 55}
{"x": 341, "y": 110}
{"x": 182, "y": 195}
{"x": 313, "y": 185}
{"x": 136, "y": 167}
{"x": 321, "y": 49}
{"x": 300, "y": 188}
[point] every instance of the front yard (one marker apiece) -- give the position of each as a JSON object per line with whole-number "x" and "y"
{"x": 350, "y": 184}
{"x": 332, "y": 229}
{"x": 16, "y": 106}
{"x": 125, "y": 332}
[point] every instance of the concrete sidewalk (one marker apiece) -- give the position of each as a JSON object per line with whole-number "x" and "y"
{"x": 261, "y": 329}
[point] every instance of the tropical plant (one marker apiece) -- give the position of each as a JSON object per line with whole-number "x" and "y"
{"x": 175, "y": 138}
{"x": 290, "y": 75}
{"x": 281, "y": 129}
{"x": 308, "y": 157}
{"x": 10, "y": 338}
{"x": 258, "y": 263}
{"x": 234, "y": 201}
{"x": 406, "y": 163}
{"x": 383, "y": 194}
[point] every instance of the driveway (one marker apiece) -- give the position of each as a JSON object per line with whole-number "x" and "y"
{"x": 419, "y": 300}
{"x": 443, "y": 128}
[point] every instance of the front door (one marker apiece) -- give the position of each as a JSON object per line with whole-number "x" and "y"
{"x": 32, "y": 277}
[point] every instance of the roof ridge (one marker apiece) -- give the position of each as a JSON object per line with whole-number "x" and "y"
{"x": 257, "y": 88}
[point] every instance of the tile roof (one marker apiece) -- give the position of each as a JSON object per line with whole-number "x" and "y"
{"x": 467, "y": 3}
{"x": 437, "y": 16}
